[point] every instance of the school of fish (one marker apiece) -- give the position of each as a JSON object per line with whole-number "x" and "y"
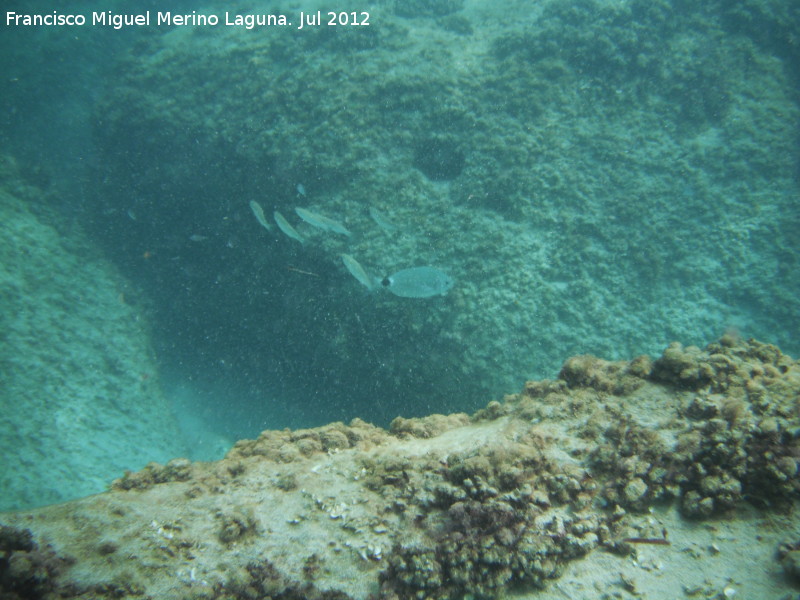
{"x": 414, "y": 282}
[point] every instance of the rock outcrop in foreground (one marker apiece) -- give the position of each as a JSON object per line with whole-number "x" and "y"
{"x": 588, "y": 467}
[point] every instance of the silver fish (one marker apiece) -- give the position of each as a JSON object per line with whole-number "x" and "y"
{"x": 321, "y": 222}
{"x": 286, "y": 228}
{"x": 381, "y": 220}
{"x": 357, "y": 271}
{"x": 418, "y": 282}
{"x": 259, "y": 213}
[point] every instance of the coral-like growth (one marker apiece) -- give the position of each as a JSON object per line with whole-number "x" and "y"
{"x": 26, "y": 570}
{"x": 442, "y": 506}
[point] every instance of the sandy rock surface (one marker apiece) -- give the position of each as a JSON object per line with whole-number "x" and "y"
{"x": 619, "y": 479}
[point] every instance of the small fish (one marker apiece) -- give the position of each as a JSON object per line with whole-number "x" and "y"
{"x": 301, "y": 189}
{"x": 259, "y": 213}
{"x": 286, "y": 228}
{"x": 321, "y": 222}
{"x": 418, "y": 282}
{"x": 357, "y": 271}
{"x": 198, "y": 238}
{"x": 381, "y": 220}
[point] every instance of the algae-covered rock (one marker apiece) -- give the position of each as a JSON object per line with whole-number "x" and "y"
{"x": 81, "y": 401}
{"x": 449, "y": 506}
{"x": 791, "y": 564}
{"x": 546, "y": 159}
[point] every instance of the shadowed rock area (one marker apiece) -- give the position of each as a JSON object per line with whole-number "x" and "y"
{"x": 78, "y": 376}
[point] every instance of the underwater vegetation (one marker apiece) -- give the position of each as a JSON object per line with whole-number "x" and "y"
{"x": 613, "y": 461}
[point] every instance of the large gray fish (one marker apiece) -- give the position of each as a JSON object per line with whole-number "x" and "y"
{"x": 418, "y": 282}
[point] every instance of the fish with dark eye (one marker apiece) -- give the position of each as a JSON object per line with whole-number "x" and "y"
{"x": 417, "y": 282}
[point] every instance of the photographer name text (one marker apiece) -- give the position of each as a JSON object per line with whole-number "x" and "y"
{"x": 193, "y": 19}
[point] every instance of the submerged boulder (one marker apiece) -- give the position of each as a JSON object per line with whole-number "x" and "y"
{"x": 457, "y": 506}
{"x": 80, "y": 397}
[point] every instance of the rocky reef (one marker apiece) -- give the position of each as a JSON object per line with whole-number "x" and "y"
{"x": 79, "y": 384}
{"x": 546, "y": 159}
{"x": 641, "y": 470}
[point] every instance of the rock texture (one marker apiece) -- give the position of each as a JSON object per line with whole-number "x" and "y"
{"x": 80, "y": 397}
{"x": 597, "y": 177}
{"x": 450, "y": 506}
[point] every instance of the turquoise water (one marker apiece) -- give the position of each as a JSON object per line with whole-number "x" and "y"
{"x": 595, "y": 177}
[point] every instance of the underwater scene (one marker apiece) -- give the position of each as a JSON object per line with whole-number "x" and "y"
{"x": 400, "y": 299}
